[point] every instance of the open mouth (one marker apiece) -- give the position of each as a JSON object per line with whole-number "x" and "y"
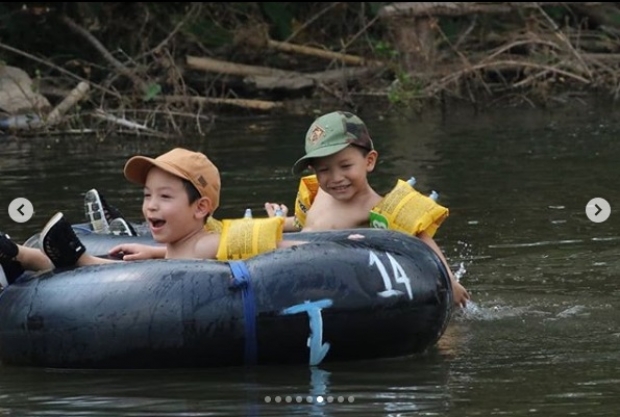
{"x": 156, "y": 223}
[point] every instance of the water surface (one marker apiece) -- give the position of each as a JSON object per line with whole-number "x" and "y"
{"x": 540, "y": 337}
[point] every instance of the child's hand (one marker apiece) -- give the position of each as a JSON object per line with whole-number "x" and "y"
{"x": 135, "y": 252}
{"x": 460, "y": 294}
{"x": 271, "y": 208}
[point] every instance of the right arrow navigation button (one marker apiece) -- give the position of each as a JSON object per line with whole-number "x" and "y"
{"x": 598, "y": 210}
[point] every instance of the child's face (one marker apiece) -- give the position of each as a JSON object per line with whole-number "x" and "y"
{"x": 166, "y": 207}
{"x": 343, "y": 174}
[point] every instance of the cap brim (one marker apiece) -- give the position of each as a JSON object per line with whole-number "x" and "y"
{"x": 137, "y": 168}
{"x": 303, "y": 162}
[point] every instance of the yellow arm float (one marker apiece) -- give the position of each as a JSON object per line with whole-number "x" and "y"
{"x": 213, "y": 225}
{"x": 247, "y": 237}
{"x": 308, "y": 188}
{"x": 406, "y": 210}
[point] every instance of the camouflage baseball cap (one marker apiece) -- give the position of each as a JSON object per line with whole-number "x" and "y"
{"x": 331, "y": 133}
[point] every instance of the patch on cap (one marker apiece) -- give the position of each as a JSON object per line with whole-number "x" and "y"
{"x": 316, "y": 134}
{"x": 201, "y": 180}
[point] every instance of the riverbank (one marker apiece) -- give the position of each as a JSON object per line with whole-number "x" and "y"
{"x": 400, "y": 57}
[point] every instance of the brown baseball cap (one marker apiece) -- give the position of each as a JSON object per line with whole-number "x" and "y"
{"x": 192, "y": 166}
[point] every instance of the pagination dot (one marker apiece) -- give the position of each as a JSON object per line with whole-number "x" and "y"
{"x": 320, "y": 399}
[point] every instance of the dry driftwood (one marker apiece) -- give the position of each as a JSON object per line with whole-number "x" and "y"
{"x": 321, "y": 53}
{"x": 301, "y": 81}
{"x": 264, "y": 78}
{"x": 245, "y": 103}
{"x": 257, "y": 38}
{"x": 231, "y": 68}
{"x": 427, "y": 9}
{"x": 77, "y": 94}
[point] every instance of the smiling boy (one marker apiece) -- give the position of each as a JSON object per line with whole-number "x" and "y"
{"x": 341, "y": 154}
{"x": 181, "y": 190}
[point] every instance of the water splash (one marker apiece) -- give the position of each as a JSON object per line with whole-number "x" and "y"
{"x": 460, "y": 273}
{"x": 463, "y": 251}
{"x": 473, "y": 311}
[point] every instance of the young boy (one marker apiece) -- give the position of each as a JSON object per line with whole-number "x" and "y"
{"x": 341, "y": 154}
{"x": 181, "y": 189}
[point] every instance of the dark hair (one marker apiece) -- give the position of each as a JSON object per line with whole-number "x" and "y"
{"x": 192, "y": 194}
{"x": 365, "y": 150}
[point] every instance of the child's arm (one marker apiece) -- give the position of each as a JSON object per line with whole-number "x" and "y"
{"x": 138, "y": 251}
{"x": 460, "y": 294}
{"x": 289, "y": 221}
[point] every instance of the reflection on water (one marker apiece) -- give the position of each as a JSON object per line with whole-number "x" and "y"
{"x": 395, "y": 386}
{"x": 539, "y": 338}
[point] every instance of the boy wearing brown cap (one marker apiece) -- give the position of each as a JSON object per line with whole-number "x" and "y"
{"x": 181, "y": 190}
{"x": 341, "y": 153}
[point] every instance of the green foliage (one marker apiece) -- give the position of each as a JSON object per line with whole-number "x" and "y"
{"x": 405, "y": 89}
{"x": 153, "y": 91}
{"x": 384, "y": 50}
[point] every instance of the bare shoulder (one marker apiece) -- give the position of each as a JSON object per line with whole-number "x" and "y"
{"x": 206, "y": 246}
{"x": 320, "y": 210}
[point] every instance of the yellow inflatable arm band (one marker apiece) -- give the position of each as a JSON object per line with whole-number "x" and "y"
{"x": 247, "y": 237}
{"x": 406, "y": 210}
{"x": 213, "y": 225}
{"x": 308, "y": 188}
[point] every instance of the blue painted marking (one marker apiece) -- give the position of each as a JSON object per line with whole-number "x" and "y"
{"x": 318, "y": 349}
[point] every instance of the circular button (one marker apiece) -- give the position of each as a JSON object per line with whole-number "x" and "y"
{"x": 598, "y": 210}
{"x": 21, "y": 210}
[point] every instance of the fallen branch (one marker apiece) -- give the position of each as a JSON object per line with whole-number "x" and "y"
{"x": 298, "y": 81}
{"x": 460, "y": 8}
{"x": 100, "y": 114}
{"x": 77, "y": 94}
{"x": 225, "y": 67}
{"x": 268, "y": 78}
{"x": 246, "y": 103}
{"x": 321, "y": 53}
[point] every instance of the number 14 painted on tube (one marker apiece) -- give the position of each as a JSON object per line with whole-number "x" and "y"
{"x": 400, "y": 277}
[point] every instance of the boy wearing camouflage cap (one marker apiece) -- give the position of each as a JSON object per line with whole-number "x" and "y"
{"x": 341, "y": 153}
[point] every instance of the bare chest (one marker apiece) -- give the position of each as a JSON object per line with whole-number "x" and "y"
{"x": 330, "y": 216}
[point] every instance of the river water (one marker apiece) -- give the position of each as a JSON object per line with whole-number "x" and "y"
{"x": 540, "y": 337}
